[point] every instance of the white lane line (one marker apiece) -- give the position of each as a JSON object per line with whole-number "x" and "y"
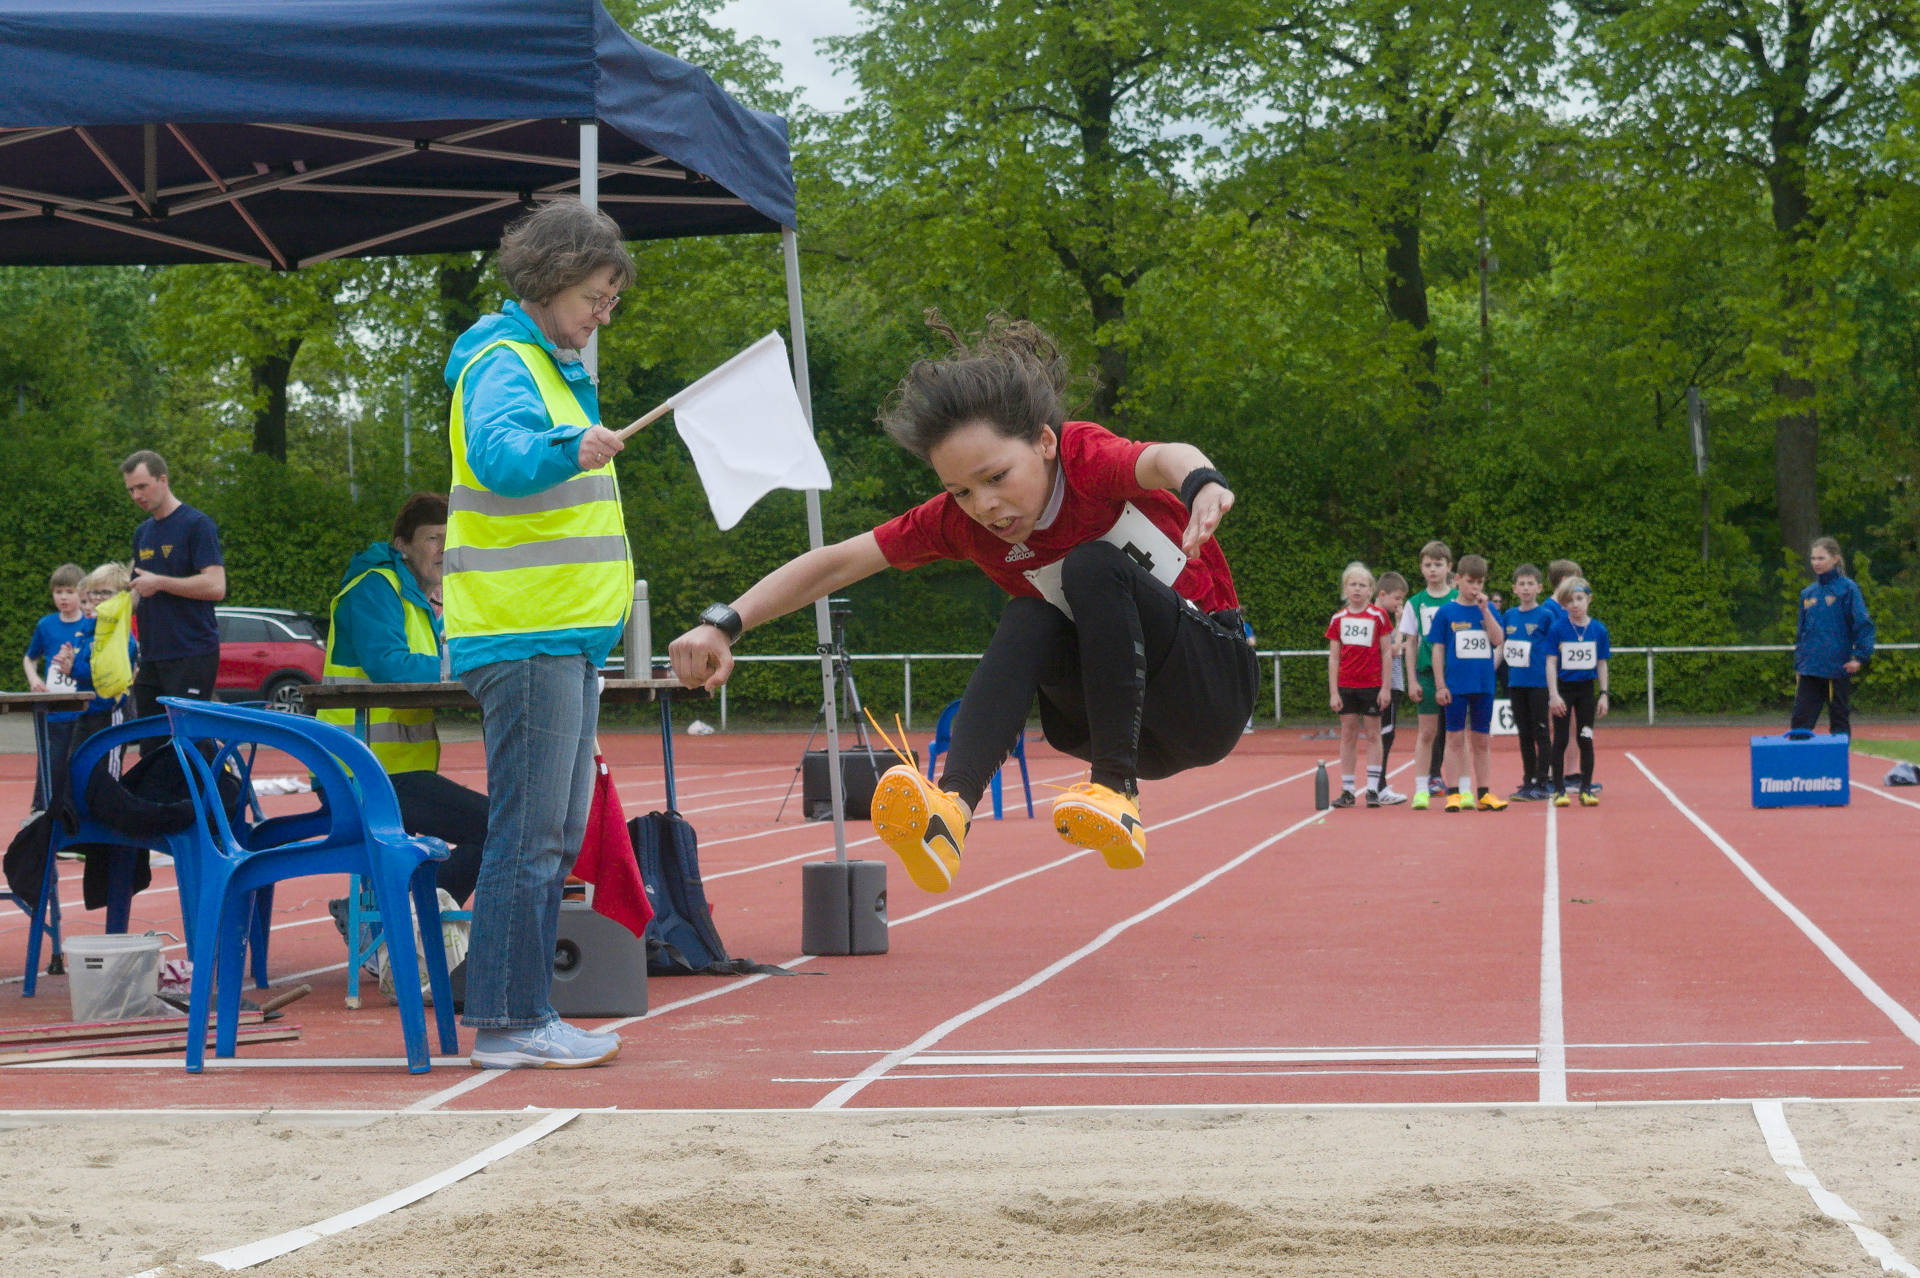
{"x": 1383, "y": 1072}
{"x": 839, "y": 1096}
{"x": 473, "y": 1084}
{"x": 242, "y": 1062}
{"x": 1772, "y": 1117}
{"x": 1891, "y": 798}
{"x": 1553, "y": 1021}
{"x": 1404, "y": 1047}
{"x": 1175, "y": 1056}
{"x": 266, "y": 1249}
{"x": 1903, "y": 1020}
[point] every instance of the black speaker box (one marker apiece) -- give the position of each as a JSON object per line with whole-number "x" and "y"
{"x": 859, "y": 773}
{"x": 599, "y": 968}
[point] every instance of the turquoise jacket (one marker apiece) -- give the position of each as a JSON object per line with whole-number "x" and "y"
{"x": 369, "y": 623}
{"x": 516, "y": 451}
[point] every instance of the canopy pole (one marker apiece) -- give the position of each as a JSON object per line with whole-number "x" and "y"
{"x": 590, "y": 196}
{"x": 816, "y": 537}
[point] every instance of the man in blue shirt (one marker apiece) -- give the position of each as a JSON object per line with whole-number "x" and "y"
{"x": 178, "y": 576}
{"x": 1463, "y": 635}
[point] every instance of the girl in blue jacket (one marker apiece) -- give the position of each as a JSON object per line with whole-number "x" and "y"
{"x": 1833, "y": 639}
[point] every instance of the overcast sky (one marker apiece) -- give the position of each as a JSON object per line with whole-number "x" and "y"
{"x": 796, "y": 24}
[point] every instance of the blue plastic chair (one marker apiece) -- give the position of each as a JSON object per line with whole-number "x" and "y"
{"x": 356, "y": 831}
{"x": 89, "y": 829}
{"x": 943, "y": 738}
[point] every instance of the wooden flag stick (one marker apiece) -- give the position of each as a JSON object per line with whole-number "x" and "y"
{"x": 641, "y": 423}
{"x": 139, "y": 1046}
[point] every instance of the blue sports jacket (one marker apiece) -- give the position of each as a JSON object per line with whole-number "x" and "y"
{"x": 370, "y": 625}
{"x": 1834, "y": 627}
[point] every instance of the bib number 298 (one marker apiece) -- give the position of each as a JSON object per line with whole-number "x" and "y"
{"x": 1472, "y": 645}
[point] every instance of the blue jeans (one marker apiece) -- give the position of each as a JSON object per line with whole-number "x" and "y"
{"x": 538, "y": 716}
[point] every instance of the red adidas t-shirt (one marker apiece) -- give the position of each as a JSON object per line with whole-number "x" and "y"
{"x": 1097, "y": 467}
{"x": 1359, "y": 634}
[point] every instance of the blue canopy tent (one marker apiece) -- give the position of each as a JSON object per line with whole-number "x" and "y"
{"x": 283, "y": 133}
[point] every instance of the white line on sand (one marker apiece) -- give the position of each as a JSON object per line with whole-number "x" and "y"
{"x": 1772, "y": 1116}
{"x": 1553, "y": 1024}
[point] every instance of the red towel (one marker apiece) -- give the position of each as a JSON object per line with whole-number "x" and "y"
{"x": 607, "y": 860}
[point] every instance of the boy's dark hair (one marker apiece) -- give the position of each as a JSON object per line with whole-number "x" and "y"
{"x": 66, "y": 577}
{"x": 1559, "y": 570}
{"x": 1437, "y": 550}
{"x": 1011, "y": 376}
{"x": 419, "y": 509}
{"x": 1474, "y": 566}
{"x": 156, "y": 464}
{"x": 1526, "y": 570}
{"x": 1389, "y": 583}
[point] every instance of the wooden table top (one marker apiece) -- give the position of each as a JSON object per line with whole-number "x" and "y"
{"x": 354, "y": 696}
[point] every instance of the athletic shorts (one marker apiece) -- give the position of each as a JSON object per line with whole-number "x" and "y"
{"x": 1428, "y": 703}
{"x": 1477, "y": 706}
{"x": 1361, "y": 701}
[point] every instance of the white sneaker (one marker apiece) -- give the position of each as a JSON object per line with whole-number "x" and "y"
{"x": 1390, "y": 796}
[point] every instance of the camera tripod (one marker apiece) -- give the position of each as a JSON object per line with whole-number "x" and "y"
{"x": 838, "y": 610}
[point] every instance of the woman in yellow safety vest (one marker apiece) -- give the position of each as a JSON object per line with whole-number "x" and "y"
{"x": 537, "y": 584}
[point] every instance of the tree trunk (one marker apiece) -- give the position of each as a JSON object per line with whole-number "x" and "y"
{"x": 1796, "y": 447}
{"x": 459, "y": 290}
{"x": 1407, "y": 297}
{"x": 270, "y": 419}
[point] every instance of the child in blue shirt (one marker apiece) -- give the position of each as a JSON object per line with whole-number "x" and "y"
{"x": 1463, "y": 635}
{"x": 1833, "y": 638}
{"x": 1525, "y": 654}
{"x": 57, "y": 630}
{"x": 1577, "y": 651}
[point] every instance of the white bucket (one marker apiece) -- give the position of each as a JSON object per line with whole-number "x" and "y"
{"x": 112, "y": 978}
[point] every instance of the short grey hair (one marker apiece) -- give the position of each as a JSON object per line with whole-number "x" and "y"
{"x": 557, "y": 246}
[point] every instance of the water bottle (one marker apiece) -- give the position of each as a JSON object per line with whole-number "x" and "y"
{"x": 1322, "y": 800}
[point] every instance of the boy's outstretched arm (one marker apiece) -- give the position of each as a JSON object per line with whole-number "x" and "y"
{"x": 704, "y": 655}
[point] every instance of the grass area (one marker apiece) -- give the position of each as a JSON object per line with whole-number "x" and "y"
{"x": 1907, "y": 750}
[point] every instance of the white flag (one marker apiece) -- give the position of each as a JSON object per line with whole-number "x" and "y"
{"x": 747, "y": 433}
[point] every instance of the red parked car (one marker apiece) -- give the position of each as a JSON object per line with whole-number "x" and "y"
{"x": 269, "y": 654}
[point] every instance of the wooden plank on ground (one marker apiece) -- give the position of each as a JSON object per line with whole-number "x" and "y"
{"x": 139, "y": 1046}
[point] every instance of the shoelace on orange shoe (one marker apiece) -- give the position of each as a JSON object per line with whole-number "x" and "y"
{"x": 898, "y": 753}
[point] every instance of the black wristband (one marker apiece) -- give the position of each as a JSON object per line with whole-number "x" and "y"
{"x": 1197, "y": 479}
{"x": 723, "y": 619}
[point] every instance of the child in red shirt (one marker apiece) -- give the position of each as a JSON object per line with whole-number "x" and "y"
{"x": 1133, "y": 646}
{"x": 1359, "y": 645}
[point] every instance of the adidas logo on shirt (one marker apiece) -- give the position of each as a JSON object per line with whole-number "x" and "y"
{"x": 1018, "y": 553}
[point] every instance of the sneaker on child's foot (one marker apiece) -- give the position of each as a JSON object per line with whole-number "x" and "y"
{"x": 555, "y": 1045}
{"x": 1560, "y": 799}
{"x": 1420, "y": 800}
{"x": 923, "y": 824}
{"x": 1390, "y": 796}
{"x": 1090, "y": 815}
{"x": 1588, "y": 799}
{"x": 1491, "y": 802}
{"x": 1373, "y": 798}
{"x": 1345, "y": 800}
{"x": 1457, "y": 802}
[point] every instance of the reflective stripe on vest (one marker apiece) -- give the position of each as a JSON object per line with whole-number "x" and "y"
{"x": 554, "y": 560}
{"x": 403, "y": 740}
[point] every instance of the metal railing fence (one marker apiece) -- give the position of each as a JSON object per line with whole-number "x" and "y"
{"x": 1276, "y": 656}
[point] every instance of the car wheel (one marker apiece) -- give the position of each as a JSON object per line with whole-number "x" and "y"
{"x": 286, "y": 693}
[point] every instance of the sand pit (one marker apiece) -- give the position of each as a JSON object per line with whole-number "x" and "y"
{"x": 1647, "y": 1192}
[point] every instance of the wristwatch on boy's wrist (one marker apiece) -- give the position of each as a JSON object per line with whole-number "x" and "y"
{"x": 723, "y": 619}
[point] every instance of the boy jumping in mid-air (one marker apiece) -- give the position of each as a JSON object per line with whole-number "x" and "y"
{"x": 1463, "y": 636}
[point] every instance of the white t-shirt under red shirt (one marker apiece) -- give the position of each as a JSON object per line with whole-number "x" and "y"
{"x": 1097, "y": 473}
{"x": 1360, "y": 634}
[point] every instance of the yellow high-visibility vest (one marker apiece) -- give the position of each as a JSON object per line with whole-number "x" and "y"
{"x": 555, "y": 560}
{"x": 403, "y": 740}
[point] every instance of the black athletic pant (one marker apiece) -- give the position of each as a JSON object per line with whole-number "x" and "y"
{"x": 1582, "y": 700}
{"x": 440, "y": 808}
{"x": 1815, "y": 694}
{"x": 1530, "y": 716}
{"x": 1139, "y": 682}
{"x": 191, "y": 678}
{"x": 1389, "y": 719}
{"x": 1437, "y": 767}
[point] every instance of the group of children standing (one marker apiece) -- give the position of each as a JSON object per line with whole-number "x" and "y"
{"x": 87, "y": 645}
{"x": 1442, "y": 647}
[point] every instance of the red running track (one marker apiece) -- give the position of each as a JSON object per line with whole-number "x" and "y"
{"x": 1266, "y": 954}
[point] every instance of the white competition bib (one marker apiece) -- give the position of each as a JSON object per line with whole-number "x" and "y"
{"x": 1579, "y": 656}
{"x": 1356, "y": 632}
{"x": 1134, "y": 533}
{"x": 1519, "y": 653}
{"x": 1472, "y": 645}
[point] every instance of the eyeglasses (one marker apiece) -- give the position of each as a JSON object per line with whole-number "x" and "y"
{"x": 602, "y": 303}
